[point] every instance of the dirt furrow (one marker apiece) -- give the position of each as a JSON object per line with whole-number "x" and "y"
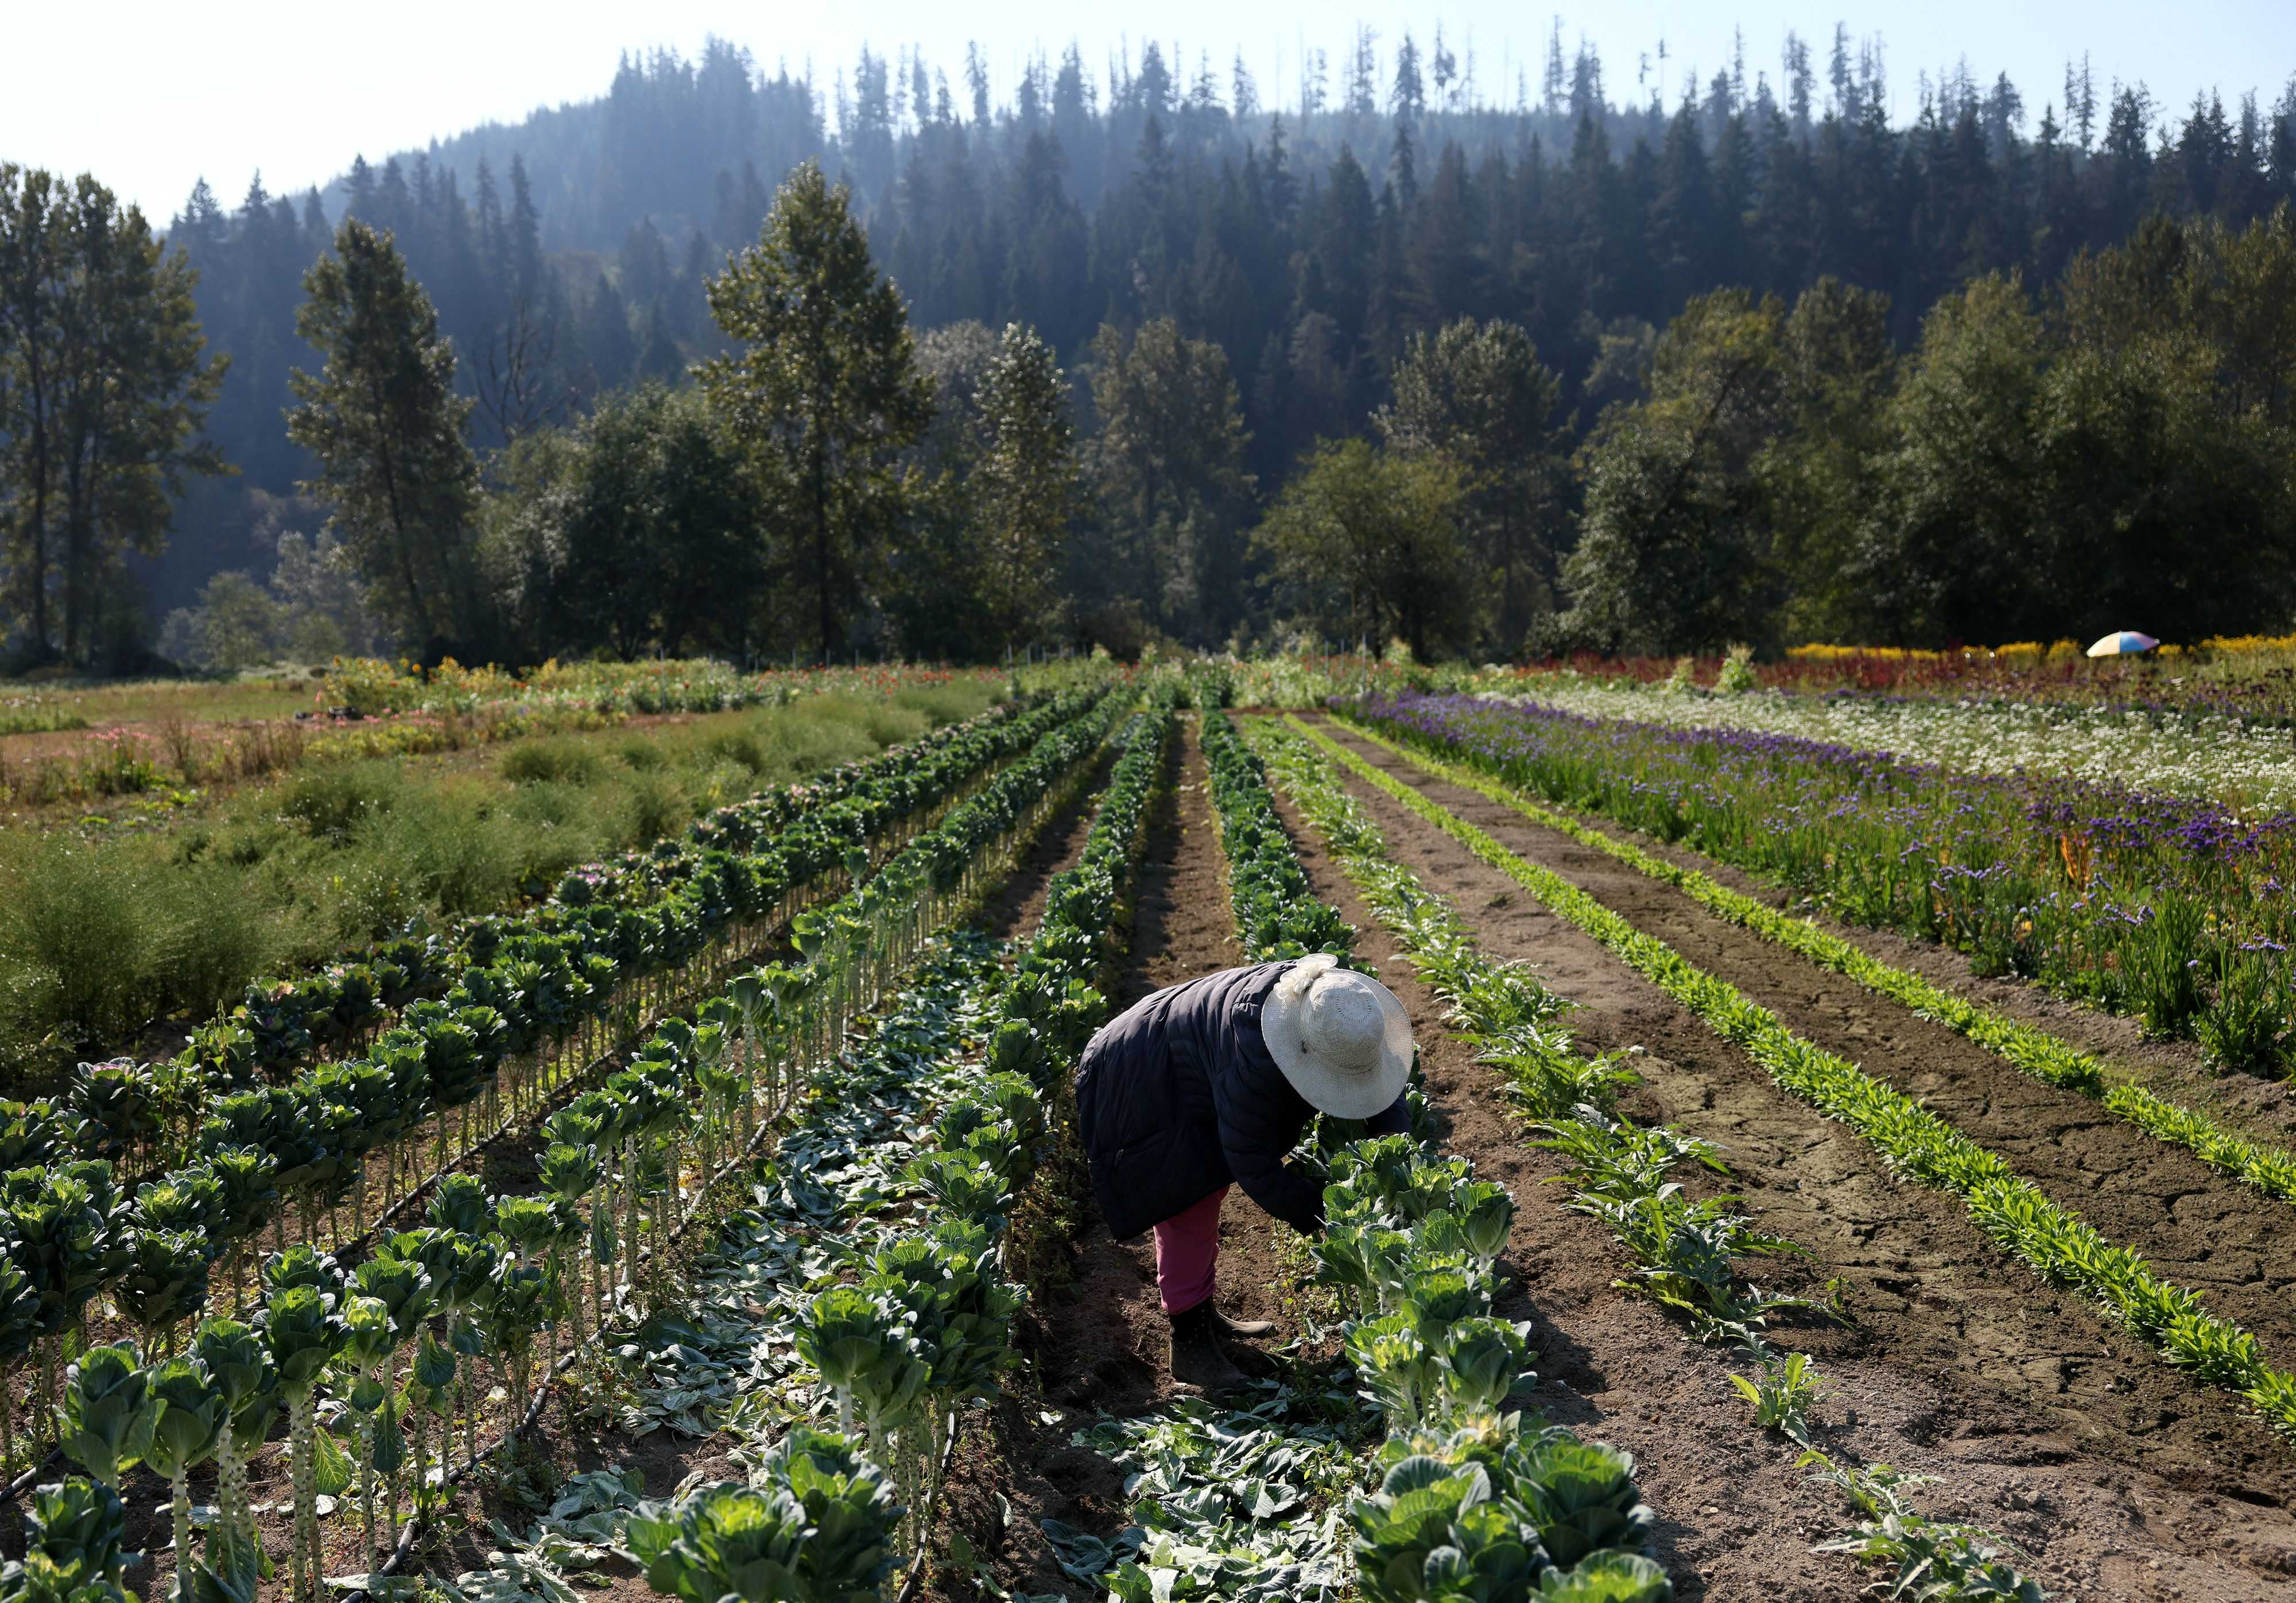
{"x": 1096, "y": 1344}
{"x": 2117, "y": 1477}
{"x": 2201, "y": 1228}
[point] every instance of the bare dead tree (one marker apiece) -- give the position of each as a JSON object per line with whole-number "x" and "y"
{"x": 520, "y": 389}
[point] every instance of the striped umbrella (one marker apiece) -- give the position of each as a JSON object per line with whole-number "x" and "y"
{"x": 2122, "y": 644}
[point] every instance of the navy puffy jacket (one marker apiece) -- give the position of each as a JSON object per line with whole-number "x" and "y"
{"x": 1178, "y": 1096}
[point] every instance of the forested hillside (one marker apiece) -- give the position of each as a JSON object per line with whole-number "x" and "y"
{"x": 1295, "y": 255}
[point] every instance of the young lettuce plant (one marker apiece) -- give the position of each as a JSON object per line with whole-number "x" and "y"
{"x": 1434, "y": 1532}
{"x": 518, "y": 1301}
{"x": 403, "y": 1289}
{"x": 1483, "y": 1361}
{"x": 1581, "y": 1495}
{"x": 79, "y": 1529}
{"x": 368, "y": 1340}
{"x": 819, "y": 1525}
{"x": 1400, "y": 1371}
{"x": 570, "y": 1173}
{"x": 236, "y": 1359}
{"x": 860, "y": 1344}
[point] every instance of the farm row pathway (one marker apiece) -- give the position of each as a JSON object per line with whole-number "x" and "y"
{"x": 2117, "y": 1477}
{"x": 1097, "y": 1344}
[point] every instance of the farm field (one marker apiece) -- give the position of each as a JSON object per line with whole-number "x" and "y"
{"x": 140, "y": 752}
{"x": 738, "y": 1194}
{"x": 119, "y": 940}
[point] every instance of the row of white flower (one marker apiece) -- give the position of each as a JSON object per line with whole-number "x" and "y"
{"x": 2227, "y": 759}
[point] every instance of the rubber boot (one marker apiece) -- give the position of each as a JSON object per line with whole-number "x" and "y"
{"x": 1236, "y": 1329}
{"x": 1197, "y": 1359}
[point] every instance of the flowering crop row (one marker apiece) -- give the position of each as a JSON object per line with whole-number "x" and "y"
{"x": 1469, "y": 1503}
{"x": 487, "y": 1276}
{"x": 2216, "y": 757}
{"x": 1915, "y": 1142}
{"x": 2046, "y": 1058}
{"x": 1620, "y": 1173}
{"x": 2172, "y": 910}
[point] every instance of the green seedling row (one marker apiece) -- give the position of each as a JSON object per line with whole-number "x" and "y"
{"x": 1684, "y": 1251}
{"x": 1915, "y": 1142}
{"x": 2048, "y": 1058}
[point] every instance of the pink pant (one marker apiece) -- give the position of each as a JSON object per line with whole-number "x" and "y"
{"x": 1187, "y": 1246}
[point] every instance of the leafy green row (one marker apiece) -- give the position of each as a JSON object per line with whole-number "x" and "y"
{"x": 1913, "y": 1141}
{"x": 1620, "y": 1171}
{"x": 1472, "y": 1504}
{"x": 919, "y": 1323}
{"x": 73, "y": 1235}
{"x": 1277, "y": 913}
{"x": 485, "y": 1275}
{"x": 2046, "y": 1058}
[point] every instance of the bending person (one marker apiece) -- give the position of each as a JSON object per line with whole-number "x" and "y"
{"x": 1211, "y": 1083}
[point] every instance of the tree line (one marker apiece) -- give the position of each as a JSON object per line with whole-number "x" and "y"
{"x": 1225, "y": 297}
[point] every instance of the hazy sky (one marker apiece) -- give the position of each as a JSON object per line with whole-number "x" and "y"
{"x": 149, "y": 96}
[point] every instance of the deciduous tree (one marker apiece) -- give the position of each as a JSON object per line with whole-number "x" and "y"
{"x": 1673, "y": 554}
{"x": 1478, "y": 394}
{"x": 1366, "y": 544}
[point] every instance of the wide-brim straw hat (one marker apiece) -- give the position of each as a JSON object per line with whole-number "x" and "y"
{"x": 1340, "y": 1037}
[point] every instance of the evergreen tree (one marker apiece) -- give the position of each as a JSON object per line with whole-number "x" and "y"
{"x": 104, "y": 380}
{"x": 1169, "y": 464}
{"x": 384, "y": 424}
{"x": 826, "y": 393}
{"x": 1028, "y": 484}
{"x": 35, "y": 229}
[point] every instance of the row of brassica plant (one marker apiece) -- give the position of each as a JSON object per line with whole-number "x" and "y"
{"x": 490, "y": 1274}
{"x": 75, "y": 1236}
{"x": 1913, "y": 1141}
{"x": 2046, "y": 1058}
{"x": 917, "y": 1319}
{"x": 1620, "y": 1173}
{"x": 647, "y": 914}
{"x": 1469, "y": 1503}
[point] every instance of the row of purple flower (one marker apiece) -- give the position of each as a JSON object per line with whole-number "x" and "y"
{"x": 2173, "y": 909}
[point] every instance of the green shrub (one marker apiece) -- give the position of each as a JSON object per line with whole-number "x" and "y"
{"x": 332, "y": 801}
{"x": 652, "y": 808}
{"x": 562, "y": 760}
